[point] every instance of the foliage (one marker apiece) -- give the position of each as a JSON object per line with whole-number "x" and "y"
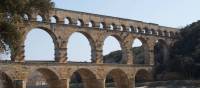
{"x": 186, "y": 51}
{"x": 11, "y": 13}
{"x": 116, "y": 56}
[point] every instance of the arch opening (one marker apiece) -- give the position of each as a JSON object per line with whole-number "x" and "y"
{"x": 5, "y": 54}
{"x": 112, "y": 50}
{"x": 39, "y": 18}
{"x": 138, "y": 50}
{"x": 67, "y": 20}
{"x": 116, "y": 79}
{"x": 79, "y": 22}
{"x": 5, "y": 81}
{"x": 83, "y": 78}
{"x": 53, "y": 20}
{"x": 160, "y": 57}
{"x": 80, "y": 48}
{"x": 91, "y": 24}
{"x": 141, "y": 77}
{"x": 42, "y": 78}
{"x": 122, "y": 28}
{"x": 101, "y": 25}
{"x": 40, "y": 45}
{"x": 25, "y": 17}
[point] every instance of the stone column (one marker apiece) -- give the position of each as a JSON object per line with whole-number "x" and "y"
{"x": 62, "y": 83}
{"x": 61, "y": 51}
{"x": 97, "y": 53}
{"x": 150, "y": 52}
{"x": 19, "y": 84}
{"x": 98, "y": 58}
{"x": 60, "y": 55}
{"x": 94, "y": 83}
{"x": 18, "y": 54}
{"x": 127, "y": 51}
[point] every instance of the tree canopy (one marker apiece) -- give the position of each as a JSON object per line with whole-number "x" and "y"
{"x": 11, "y": 13}
{"x": 186, "y": 51}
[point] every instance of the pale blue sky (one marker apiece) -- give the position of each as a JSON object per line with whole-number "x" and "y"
{"x": 172, "y": 13}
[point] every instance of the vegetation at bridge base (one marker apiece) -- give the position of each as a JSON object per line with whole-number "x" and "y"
{"x": 185, "y": 53}
{"x": 116, "y": 56}
{"x": 11, "y": 16}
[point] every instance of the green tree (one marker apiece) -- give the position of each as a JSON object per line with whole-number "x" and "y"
{"x": 186, "y": 51}
{"x": 11, "y": 15}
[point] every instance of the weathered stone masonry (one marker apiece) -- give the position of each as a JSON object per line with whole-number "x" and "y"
{"x": 96, "y": 28}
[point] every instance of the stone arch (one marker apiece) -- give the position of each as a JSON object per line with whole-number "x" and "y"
{"x": 87, "y": 79}
{"x": 48, "y": 31}
{"x": 91, "y": 23}
{"x": 118, "y": 77}
{"x": 54, "y": 18}
{"x": 142, "y": 75}
{"x": 48, "y": 77}
{"x": 26, "y": 16}
{"x": 145, "y": 49}
{"x": 43, "y": 18}
{"x": 91, "y": 42}
{"x": 112, "y": 26}
{"x": 131, "y": 29}
{"x": 161, "y": 55}
{"x": 80, "y": 22}
{"x": 67, "y": 20}
{"x": 102, "y": 25}
{"x": 122, "y": 46}
{"x": 161, "y": 47}
{"x": 122, "y": 28}
{"x": 5, "y": 80}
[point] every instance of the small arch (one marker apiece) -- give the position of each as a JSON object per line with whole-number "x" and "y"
{"x": 153, "y": 32}
{"x": 131, "y": 29}
{"x": 53, "y": 19}
{"x": 112, "y": 26}
{"x": 5, "y": 80}
{"x": 91, "y": 24}
{"x": 80, "y": 23}
{"x": 117, "y": 78}
{"x": 160, "y": 33}
{"x": 122, "y": 28}
{"x": 156, "y": 33}
{"x": 171, "y": 34}
{"x": 67, "y": 20}
{"x": 143, "y": 31}
{"x": 39, "y": 18}
{"x": 26, "y": 17}
{"x": 146, "y": 30}
{"x": 142, "y": 76}
{"x": 102, "y": 25}
{"x": 82, "y": 78}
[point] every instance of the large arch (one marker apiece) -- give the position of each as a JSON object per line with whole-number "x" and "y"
{"x": 5, "y": 80}
{"x": 140, "y": 51}
{"x": 142, "y": 76}
{"x": 118, "y": 50}
{"x": 90, "y": 47}
{"x": 48, "y": 34}
{"x": 161, "y": 55}
{"x": 161, "y": 52}
{"x": 117, "y": 78}
{"x": 43, "y": 77}
{"x": 83, "y": 78}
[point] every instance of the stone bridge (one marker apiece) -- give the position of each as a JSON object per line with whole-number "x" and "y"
{"x": 60, "y": 24}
